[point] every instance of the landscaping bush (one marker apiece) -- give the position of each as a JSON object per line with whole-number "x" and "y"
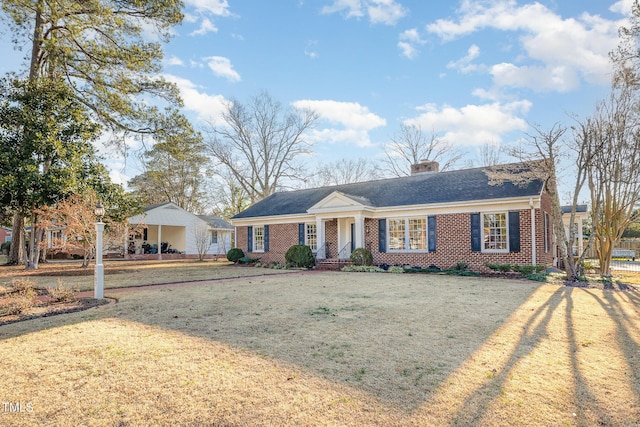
{"x": 537, "y": 277}
{"x": 5, "y": 247}
{"x": 460, "y": 266}
{"x": 365, "y": 269}
{"x": 61, "y": 293}
{"x": 21, "y": 297}
{"x": 300, "y": 256}
{"x": 235, "y": 254}
{"x": 246, "y": 260}
{"x": 361, "y": 256}
{"x": 396, "y": 269}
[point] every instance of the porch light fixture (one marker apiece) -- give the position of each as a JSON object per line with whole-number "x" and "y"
{"x": 98, "y": 278}
{"x": 99, "y": 211}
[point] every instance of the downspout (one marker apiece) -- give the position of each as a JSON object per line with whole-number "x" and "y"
{"x": 533, "y": 231}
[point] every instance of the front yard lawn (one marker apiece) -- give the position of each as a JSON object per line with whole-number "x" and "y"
{"x": 332, "y": 349}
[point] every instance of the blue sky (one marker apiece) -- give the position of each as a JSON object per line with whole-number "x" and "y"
{"x": 474, "y": 71}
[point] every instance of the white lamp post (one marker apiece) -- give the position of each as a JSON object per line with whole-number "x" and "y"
{"x": 98, "y": 279}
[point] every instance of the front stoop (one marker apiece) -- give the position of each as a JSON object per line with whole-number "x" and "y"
{"x": 331, "y": 264}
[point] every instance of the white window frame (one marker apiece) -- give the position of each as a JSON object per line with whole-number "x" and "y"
{"x": 308, "y": 236}
{"x": 484, "y": 234}
{"x": 255, "y": 238}
{"x": 407, "y": 234}
{"x": 213, "y": 237}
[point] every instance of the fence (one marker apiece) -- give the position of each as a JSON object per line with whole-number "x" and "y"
{"x": 617, "y": 264}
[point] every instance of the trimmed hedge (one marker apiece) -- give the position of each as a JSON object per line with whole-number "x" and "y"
{"x": 300, "y": 256}
{"x": 361, "y": 256}
{"x": 235, "y": 254}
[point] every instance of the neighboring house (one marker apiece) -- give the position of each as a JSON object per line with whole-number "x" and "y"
{"x": 5, "y": 234}
{"x": 581, "y": 217}
{"x": 169, "y": 231}
{"x": 427, "y": 219}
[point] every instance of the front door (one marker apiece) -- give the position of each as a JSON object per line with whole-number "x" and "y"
{"x": 346, "y": 234}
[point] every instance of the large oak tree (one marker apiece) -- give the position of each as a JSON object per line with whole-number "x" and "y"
{"x": 102, "y": 52}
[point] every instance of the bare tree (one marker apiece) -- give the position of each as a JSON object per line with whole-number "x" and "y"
{"x": 344, "y": 171}
{"x": 260, "y": 143}
{"x": 543, "y": 152}
{"x": 626, "y": 56}
{"x": 202, "y": 238}
{"x": 411, "y": 145}
{"x": 489, "y": 154}
{"x": 614, "y": 178}
{"x": 228, "y": 197}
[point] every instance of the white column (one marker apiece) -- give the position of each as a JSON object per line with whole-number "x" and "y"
{"x": 321, "y": 253}
{"x": 359, "y": 237}
{"x": 533, "y": 235}
{"x": 159, "y": 241}
{"x": 98, "y": 278}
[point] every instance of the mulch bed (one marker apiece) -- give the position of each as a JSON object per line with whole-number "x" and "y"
{"x": 46, "y": 307}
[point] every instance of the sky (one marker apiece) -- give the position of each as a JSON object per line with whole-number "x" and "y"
{"x": 474, "y": 72}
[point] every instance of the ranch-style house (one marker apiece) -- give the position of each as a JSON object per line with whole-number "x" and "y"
{"x": 427, "y": 219}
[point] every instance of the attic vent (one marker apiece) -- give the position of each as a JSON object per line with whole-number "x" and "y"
{"x": 425, "y": 166}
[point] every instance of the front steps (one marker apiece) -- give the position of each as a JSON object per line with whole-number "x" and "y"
{"x": 333, "y": 264}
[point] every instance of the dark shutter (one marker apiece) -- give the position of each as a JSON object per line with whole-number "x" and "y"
{"x": 431, "y": 233}
{"x": 353, "y": 237}
{"x": 382, "y": 235}
{"x": 249, "y": 239}
{"x": 476, "y": 245}
{"x": 266, "y": 238}
{"x": 145, "y": 234}
{"x": 301, "y": 233}
{"x": 514, "y": 231}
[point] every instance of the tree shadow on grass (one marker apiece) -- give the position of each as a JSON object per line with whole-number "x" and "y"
{"x": 589, "y": 408}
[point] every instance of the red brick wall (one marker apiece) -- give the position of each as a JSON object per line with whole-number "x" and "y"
{"x": 281, "y": 238}
{"x": 453, "y": 234}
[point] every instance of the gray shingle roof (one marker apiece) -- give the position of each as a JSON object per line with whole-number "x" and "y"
{"x": 579, "y": 208}
{"x": 215, "y": 222}
{"x": 421, "y": 189}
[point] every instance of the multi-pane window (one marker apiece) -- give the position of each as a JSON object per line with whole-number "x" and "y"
{"x": 214, "y": 237}
{"x": 311, "y": 236}
{"x": 417, "y": 233}
{"x": 396, "y": 234}
{"x": 407, "y": 234}
{"x": 495, "y": 231}
{"x": 258, "y": 238}
{"x": 547, "y": 233}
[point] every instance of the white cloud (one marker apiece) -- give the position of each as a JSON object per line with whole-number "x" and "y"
{"x": 569, "y": 48}
{"x": 310, "y": 50}
{"x": 473, "y": 124}
{"x": 208, "y": 107}
{"x": 206, "y": 26}
{"x": 408, "y": 41}
{"x": 354, "y": 121}
{"x": 215, "y": 7}
{"x": 173, "y": 60}
{"x": 465, "y": 64}
{"x": 541, "y": 79}
{"x": 387, "y": 12}
{"x": 222, "y": 67}
{"x": 622, "y": 7}
{"x": 408, "y": 50}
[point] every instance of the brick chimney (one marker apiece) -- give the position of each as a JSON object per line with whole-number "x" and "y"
{"x": 425, "y": 166}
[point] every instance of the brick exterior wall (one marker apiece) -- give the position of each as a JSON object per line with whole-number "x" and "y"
{"x": 453, "y": 240}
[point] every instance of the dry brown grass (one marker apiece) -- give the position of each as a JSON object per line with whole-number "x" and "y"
{"x": 120, "y": 273}
{"x": 332, "y": 349}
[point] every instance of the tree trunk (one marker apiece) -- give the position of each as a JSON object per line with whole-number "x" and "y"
{"x": 17, "y": 240}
